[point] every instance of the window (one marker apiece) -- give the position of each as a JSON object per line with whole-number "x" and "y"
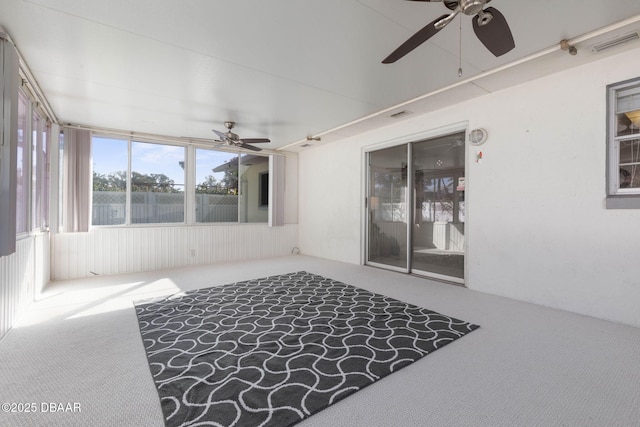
{"x": 22, "y": 181}
{"x": 138, "y": 182}
{"x": 110, "y": 165}
{"x": 61, "y": 169}
{"x": 152, "y": 186}
{"x": 39, "y": 172}
{"x": 251, "y": 168}
{"x": 46, "y": 175}
{"x": 157, "y": 183}
{"x": 216, "y": 186}
{"x": 32, "y": 180}
{"x": 229, "y": 187}
{"x": 623, "y": 187}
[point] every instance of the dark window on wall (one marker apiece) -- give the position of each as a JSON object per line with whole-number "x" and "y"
{"x": 623, "y": 145}
{"x": 264, "y": 189}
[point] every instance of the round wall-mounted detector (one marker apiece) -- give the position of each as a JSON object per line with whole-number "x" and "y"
{"x": 477, "y": 136}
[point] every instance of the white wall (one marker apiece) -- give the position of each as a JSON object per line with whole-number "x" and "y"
{"x": 106, "y": 251}
{"x": 23, "y": 275}
{"x": 537, "y": 228}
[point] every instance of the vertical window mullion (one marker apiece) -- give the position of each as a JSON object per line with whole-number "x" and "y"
{"x": 190, "y": 186}
{"x": 615, "y": 162}
{"x": 128, "y": 186}
{"x": 28, "y": 166}
{"x": 240, "y": 188}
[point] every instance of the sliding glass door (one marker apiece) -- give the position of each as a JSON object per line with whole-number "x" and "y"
{"x": 387, "y": 208}
{"x": 439, "y": 208}
{"x": 416, "y": 208}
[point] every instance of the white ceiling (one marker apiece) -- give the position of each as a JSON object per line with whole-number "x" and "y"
{"x": 282, "y": 69}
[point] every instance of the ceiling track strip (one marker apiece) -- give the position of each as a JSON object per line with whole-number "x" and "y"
{"x": 579, "y": 39}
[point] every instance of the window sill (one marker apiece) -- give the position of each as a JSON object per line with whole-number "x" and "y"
{"x": 623, "y": 202}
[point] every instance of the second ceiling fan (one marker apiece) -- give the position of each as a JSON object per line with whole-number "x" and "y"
{"x": 230, "y": 138}
{"x": 489, "y": 24}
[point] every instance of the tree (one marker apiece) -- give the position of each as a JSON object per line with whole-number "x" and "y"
{"x": 211, "y": 185}
{"x": 154, "y": 183}
{"x": 117, "y": 181}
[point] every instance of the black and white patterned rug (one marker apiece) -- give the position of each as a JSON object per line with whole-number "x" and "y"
{"x": 273, "y": 351}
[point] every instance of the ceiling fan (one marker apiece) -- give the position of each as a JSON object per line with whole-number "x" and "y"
{"x": 232, "y": 139}
{"x": 489, "y": 25}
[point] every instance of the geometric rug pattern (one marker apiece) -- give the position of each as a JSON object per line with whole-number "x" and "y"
{"x": 275, "y": 350}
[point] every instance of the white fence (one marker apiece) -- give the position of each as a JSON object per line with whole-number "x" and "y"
{"x": 109, "y": 208}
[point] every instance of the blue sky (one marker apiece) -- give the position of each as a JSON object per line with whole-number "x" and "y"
{"x": 110, "y": 155}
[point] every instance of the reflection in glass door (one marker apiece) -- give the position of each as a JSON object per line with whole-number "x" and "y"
{"x": 439, "y": 208}
{"x": 421, "y": 184}
{"x": 387, "y": 208}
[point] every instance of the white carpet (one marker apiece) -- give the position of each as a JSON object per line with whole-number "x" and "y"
{"x": 526, "y": 365}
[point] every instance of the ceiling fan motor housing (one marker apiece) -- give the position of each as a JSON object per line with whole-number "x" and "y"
{"x": 471, "y": 7}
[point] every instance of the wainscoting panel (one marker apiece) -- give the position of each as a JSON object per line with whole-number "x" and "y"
{"x": 23, "y": 274}
{"x": 127, "y": 250}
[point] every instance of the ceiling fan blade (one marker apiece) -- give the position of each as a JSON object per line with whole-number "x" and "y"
{"x": 414, "y": 41}
{"x": 221, "y": 135}
{"x": 248, "y": 147}
{"x": 495, "y": 35}
{"x": 254, "y": 140}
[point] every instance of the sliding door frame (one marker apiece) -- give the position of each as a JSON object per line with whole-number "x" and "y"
{"x": 365, "y": 219}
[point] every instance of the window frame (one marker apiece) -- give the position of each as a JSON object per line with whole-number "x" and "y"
{"x": 190, "y": 164}
{"x": 130, "y": 183}
{"x": 23, "y": 198}
{"x": 616, "y": 197}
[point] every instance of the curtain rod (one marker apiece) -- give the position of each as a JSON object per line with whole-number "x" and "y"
{"x": 27, "y": 77}
{"x": 182, "y": 140}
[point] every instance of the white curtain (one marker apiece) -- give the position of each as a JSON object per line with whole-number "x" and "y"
{"x": 276, "y": 190}
{"x": 8, "y": 144}
{"x": 76, "y": 192}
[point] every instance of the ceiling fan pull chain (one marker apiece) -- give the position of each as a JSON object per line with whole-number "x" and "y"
{"x": 460, "y": 50}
